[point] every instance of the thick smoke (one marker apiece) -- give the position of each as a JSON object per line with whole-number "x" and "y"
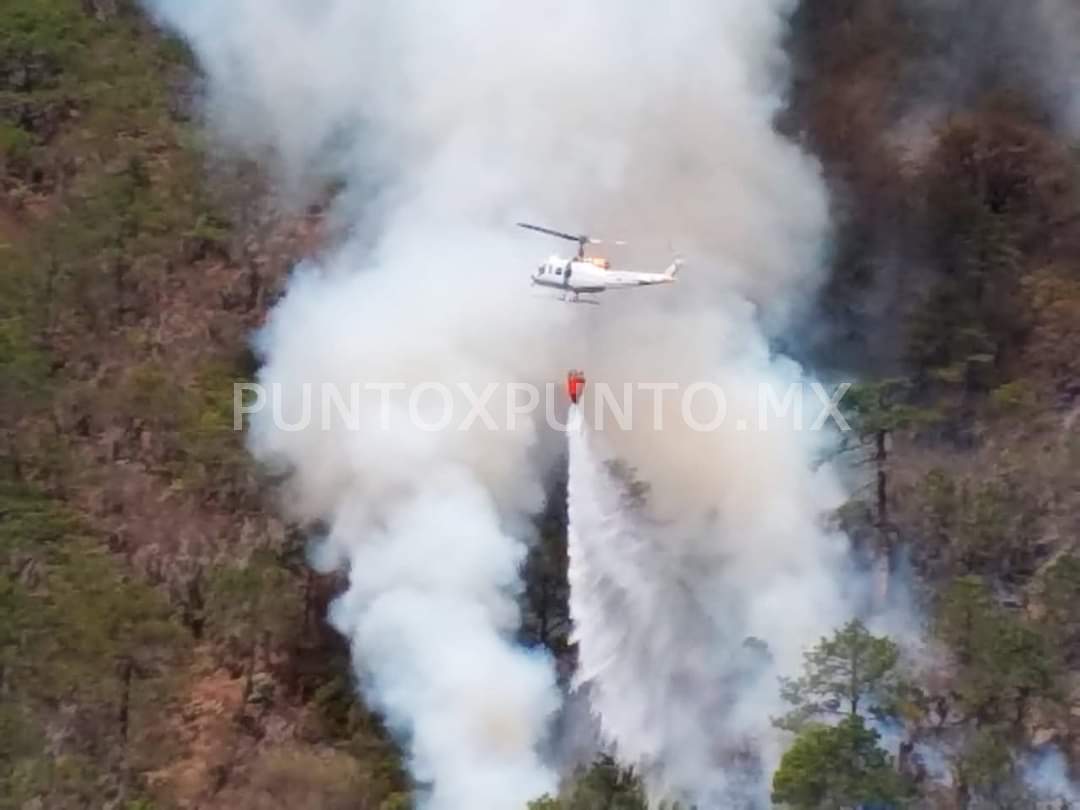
{"x": 661, "y": 670}
{"x": 979, "y": 47}
{"x": 683, "y": 629}
{"x": 445, "y": 123}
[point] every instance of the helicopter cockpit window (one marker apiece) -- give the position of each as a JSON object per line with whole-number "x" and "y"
{"x": 540, "y": 272}
{"x": 558, "y": 271}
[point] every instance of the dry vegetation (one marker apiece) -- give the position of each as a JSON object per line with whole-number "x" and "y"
{"x": 955, "y": 288}
{"x": 162, "y": 640}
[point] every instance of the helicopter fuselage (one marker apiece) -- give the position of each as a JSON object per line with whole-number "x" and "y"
{"x": 594, "y": 276}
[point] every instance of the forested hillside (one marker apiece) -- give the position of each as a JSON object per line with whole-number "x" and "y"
{"x": 954, "y": 287}
{"x": 163, "y": 643}
{"x": 162, "y": 639}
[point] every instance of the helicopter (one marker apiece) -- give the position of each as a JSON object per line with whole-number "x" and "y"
{"x": 591, "y": 274}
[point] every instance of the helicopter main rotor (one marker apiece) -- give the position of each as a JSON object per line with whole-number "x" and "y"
{"x": 582, "y": 239}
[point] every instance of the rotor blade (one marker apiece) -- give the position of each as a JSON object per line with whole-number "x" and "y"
{"x": 618, "y": 242}
{"x": 568, "y": 236}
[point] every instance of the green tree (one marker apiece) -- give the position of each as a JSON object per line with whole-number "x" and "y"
{"x": 82, "y": 644}
{"x": 987, "y": 205}
{"x": 1061, "y": 602}
{"x": 546, "y": 608}
{"x": 603, "y": 786}
{"x": 986, "y": 525}
{"x": 1004, "y": 662}
{"x": 113, "y": 634}
{"x": 837, "y": 767}
{"x": 986, "y": 774}
{"x": 877, "y": 411}
{"x": 850, "y": 672}
{"x": 252, "y": 608}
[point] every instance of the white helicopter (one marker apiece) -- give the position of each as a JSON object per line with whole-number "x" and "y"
{"x": 590, "y": 274}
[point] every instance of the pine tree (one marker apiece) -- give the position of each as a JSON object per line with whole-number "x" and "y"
{"x": 850, "y": 673}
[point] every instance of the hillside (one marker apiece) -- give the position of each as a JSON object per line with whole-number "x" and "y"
{"x": 163, "y": 642}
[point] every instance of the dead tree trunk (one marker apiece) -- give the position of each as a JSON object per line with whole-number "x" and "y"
{"x": 127, "y": 673}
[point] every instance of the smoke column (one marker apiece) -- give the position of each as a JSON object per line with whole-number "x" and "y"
{"x": 648, "y": 654}
{"x": 443, "y": 123}
{"x": 683, "y": 629}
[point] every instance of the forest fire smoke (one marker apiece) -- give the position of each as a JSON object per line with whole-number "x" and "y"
{"x": 443, "y": 124}
{"x": 681, "y": 686}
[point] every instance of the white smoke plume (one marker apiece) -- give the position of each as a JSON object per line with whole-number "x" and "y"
{"x": 651, "y": 655}
{"x": 683, "y": 629}
{"x": 1046, "y": 773}
{"x": 445, "y": 123}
